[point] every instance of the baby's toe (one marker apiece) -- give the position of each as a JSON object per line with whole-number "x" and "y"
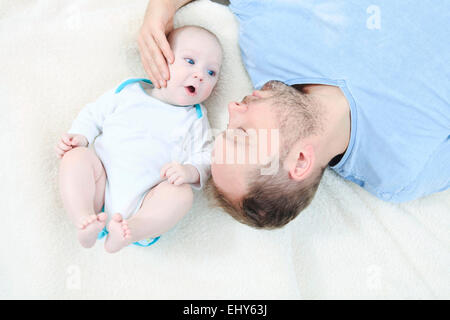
{"x": 125, "y": 230}
{"x": 117, "y": 217}
{"x": 102, "y": 217}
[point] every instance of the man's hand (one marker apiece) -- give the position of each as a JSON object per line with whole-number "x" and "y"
{"x": 152, "y": 40}
{"x": 69, "y": 141}
{"x": 154, "y": 49}
{"x": 177, "y": 174}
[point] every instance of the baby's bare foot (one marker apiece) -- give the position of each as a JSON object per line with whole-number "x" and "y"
{"x": 89, "y": 229}
{"x": 119, "y": 235}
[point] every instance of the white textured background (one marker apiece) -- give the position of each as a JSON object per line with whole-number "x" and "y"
{"x": 56, "y": 56}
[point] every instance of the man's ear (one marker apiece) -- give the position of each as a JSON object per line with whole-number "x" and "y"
{"x": 302, "y": 163}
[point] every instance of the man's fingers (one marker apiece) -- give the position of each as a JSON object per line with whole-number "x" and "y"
{"x": 146, "y": 62}
{"x": 154, "y": 61}
{"x": 157, "y": 61}
{"x": 149, "y": 72}
{"x": 163, "y": 44}
{"x": 161, "y": 67}
{"x": 148, "y": 49}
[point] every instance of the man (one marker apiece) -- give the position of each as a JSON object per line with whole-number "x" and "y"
{"x": 363, "y": 88}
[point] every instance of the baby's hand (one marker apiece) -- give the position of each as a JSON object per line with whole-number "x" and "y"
{"x": 68, "y": 142}
{"x": 176, "y": 173}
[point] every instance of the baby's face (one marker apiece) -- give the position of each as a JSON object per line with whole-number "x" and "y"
{"x": 194, "y": 73}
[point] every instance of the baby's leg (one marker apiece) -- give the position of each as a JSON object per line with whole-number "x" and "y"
{"x": 82, "y": 181}
{"x": 161, "y": 209}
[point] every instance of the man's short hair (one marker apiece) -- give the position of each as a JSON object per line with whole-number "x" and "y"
{"x": 272, "y": 200}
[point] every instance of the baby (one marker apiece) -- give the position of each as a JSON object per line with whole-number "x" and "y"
{"x": 152, "y": 146}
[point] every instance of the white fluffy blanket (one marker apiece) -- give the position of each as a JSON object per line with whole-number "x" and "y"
{"x": 55, "y": 56}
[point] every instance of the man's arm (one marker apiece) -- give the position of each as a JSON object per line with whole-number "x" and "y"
{"x": 154, "y": 48}
{"x": 180, "y": 3}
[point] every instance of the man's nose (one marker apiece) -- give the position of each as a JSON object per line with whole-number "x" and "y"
{"x": 256, "y": 93}
{"x": 237, "y": 107}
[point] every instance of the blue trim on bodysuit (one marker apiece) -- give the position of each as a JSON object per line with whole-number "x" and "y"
{"x": 130, "y": 81}
{"x": 198, "y": 109}
{"x": 140, "y": 243}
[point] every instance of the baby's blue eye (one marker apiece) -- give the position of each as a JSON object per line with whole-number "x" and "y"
{"x": 211, "y": 73}
{"x": 188, "y": 60}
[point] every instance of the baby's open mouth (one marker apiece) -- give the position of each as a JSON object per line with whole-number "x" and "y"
{"x": 190, "y": 90}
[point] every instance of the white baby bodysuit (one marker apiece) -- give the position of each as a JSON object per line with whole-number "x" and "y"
{"x": 137, "y": 135}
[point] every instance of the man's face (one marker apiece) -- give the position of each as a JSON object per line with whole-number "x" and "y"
{"x": 250, "y": 138}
